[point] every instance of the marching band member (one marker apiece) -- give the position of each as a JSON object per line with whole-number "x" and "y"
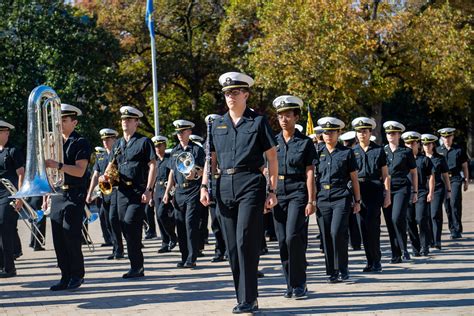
{"x": 401, "y": 163}
{"x": 186, "y": 198}
{"x": 442, "y": 187}
{"x": 12, "y": 168}
{"x": 374, "y": 189}
{"x": 67, "y": 208}
{"x": 458, "y": 175}
{"x": 136, "y": 162}
{"x": 164, "y": 212}
{"x": 418, "y": 214}
{"x": 295, "y": 192}
{"x": 336, "y": 167}
{"x": 239, "y": 141}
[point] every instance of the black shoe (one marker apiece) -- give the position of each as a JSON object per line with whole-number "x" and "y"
{"x": 60, "y": 286}
{"x": 180, "y": 265}
{"x": 150, "y": 236}
{"x": 75, "y": 283}
{"x": 172, "y": 245}
{"x": 189, "y": 265}
{"x": 456, "y": 235}
{"x": 200, "y": 254}
{"x": 246, "y": 307}
{"x": 260, "y": 274}
{"x": 5, "y": 274}
{"x": 17, "y": 255}
{"x": 300, "y": 292}
{"x": 368, "y": 268}
{"x": 424, "y": 252}
{"x": 334, "y": 278}
{"x": 264, "y": 251}
{"x": 343, "y": 277}
{"x": 416, "y": 253}
{"x": 164, "y": 248}
{"x": 206, "y": 241}
{"x": 406, "y": 256}
{"x": 437, "y": 246}
{"x": 218, "y": 259}
{"x": 288, "y": 293}
{"x": 106, "y": 244}
{"x": 38, "y": 249}
{"x": 111, "y": 257}
{"x": 395, "y": 260}
{"x": 134, "y": 273}
{"x": 377, "y": 267}
{"x": 272, "y": 238}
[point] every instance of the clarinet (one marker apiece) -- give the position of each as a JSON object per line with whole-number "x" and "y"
{"x": 208, "y": 158}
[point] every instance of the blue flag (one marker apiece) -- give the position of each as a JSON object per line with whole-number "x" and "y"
{"x": 150, "y": 22}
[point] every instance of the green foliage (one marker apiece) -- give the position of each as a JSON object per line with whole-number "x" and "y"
{"x": 47, "y": 42}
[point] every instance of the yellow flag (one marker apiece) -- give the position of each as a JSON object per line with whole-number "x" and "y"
{"x": 309, "y": 124}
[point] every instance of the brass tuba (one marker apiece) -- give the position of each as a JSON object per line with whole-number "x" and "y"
{"x": 44, "y": 142}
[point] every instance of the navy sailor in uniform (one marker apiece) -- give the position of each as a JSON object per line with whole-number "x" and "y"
{"x": 442, "y": 188}
{"x": 296, "y": 193}
{"x": 136, "y": 163}
{"x": 164, "y": 212}
{"x": 186, "y": 199}
{"x": 374, "y": 189}
{"x": 240, "y": 139}
{"x": 401, "y": 163}
{"x": 336, "y": 167}
{"x": 459, "y": 177}
{"x": 12, "y": 168}
{"x": 67, "y": 208}
{"x": 418, "y": 214}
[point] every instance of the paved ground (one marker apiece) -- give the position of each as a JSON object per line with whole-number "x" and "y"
{"x": 440, "y": 284}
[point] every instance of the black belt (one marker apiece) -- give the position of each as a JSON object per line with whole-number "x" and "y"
{"x": 232, "y": 171}
{"x": 333, "y": 186}
{"x": 367, "y": 179}
{"x": 455, "y": 174}
{"x": 291, "y": 176}
{"x": 184, "y": 185}
{"x": 67, "y": 187}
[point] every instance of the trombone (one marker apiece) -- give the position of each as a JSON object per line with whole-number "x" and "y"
{"x": 89, "y": 219}
{"x": 32, "y": 215}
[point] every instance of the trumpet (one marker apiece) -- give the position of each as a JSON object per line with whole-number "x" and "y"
{"x": 89, "y": 219}
{"x": 32, "y": 215}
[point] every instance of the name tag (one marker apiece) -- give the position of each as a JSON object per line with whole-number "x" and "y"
{"x": 221, "y": 126}
{"x": 322, "y": 155}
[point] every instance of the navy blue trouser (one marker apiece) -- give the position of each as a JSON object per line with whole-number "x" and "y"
{"x": 436, "y": 210}
{"x": 131, "y": 214}
{"x": 188, "y": 215}
{"x": 8, "y": 220}
{"x": 290, "y": 228}
{"x": 369, "y": 215}
{"x": 396, "y": 220}
{"x": 166, "y": 221}
{"x": 418, "y": 217}
{"x": 241, "y": 198}
{"x": 114, "y": 220}
{"x": 333, "y": 217}
{"x": 453, "y": 208}
{"x": 67, "y": 215}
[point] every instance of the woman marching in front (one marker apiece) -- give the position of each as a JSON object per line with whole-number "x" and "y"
{"x": 400, "y": 163}
{"x": 295, "y": 193}
{"x": 336, "y": 167}
{"x": 374, "y": 189}
{"x": 442, "y": 186}
{"x": 418, "y": 215}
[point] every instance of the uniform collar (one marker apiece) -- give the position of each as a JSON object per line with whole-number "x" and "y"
{"x": 248, "y": 115}
{"x": 296, "y": 135}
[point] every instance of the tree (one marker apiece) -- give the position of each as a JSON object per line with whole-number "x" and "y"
{"x": 47, "y": 42}
{"x": 188, "y": 63}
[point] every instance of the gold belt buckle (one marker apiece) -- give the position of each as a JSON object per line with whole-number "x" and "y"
{"x": 230, "y": 171}
{"x": 185, "y": 185}
{"x": 129, "y": 183}
{"x": 280, "y": 177}
{"x": 65, "y": 187}
{"x": 217, "y": 176}
{"x": 162, "y": 182}
{"x": 326, "y": 186}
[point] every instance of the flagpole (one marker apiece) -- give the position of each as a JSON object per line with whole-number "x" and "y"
{"x": 155, "y": 86}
